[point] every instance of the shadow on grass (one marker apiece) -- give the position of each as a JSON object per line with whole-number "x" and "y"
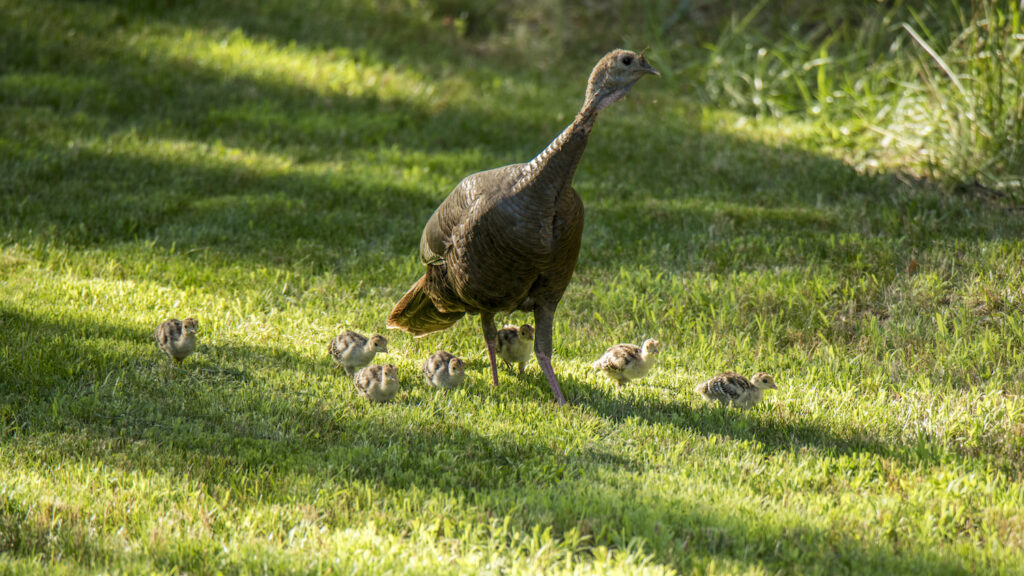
{"x": 277, "y": 219}
{"x": 769, "y": 431}
{"x": 683, "y": 531}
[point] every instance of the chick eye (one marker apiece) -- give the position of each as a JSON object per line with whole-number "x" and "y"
{"x": 627, "y": 60}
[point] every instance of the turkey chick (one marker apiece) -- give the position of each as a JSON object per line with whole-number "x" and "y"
{"x": 377, "y": 383}
{"x": 177, "y": 339}
{"x": 732, "y": 388}
{"x": 515, "y": 345}
{"x": 351, "y": 350}
{"x": 625, "y": 362}
{"x": 444, "y": 370}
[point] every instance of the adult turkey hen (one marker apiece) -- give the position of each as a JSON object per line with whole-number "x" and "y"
{"x": 508, "y": 238}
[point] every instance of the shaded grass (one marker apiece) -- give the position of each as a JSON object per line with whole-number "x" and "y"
{"x": 270, "y": 175}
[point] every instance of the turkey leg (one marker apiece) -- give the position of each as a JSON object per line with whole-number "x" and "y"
{"x": 491, "y": 338}
{"x": 544, "y": 319}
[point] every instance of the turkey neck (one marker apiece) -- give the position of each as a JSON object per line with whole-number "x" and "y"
{"x": 554, "y": 168}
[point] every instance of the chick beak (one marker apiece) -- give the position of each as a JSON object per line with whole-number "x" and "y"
{"x": 646, "y": 68}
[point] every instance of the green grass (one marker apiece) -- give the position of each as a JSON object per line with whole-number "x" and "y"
{"x": 932, "y": 87}
{"x": 269, "y": 169}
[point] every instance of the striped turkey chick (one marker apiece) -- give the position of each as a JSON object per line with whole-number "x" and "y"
{"x": 515, "y": 345}
{"x": 351, "y": 350}
{"x": 625, "y": 362}
{"x": 177, "y": 339}
{"x": 732, "y": 388}
{"x": 444, "y": 370}
{"x": 377, "y": 383}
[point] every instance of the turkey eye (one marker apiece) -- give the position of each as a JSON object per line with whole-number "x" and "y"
{"x": 627, "y": 60}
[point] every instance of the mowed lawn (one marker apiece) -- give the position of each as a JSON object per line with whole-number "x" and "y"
{"x": 268, "y": 170}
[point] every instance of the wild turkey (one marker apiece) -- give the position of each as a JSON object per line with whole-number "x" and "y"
{"x": 625, "y": 362}
{"x": 508, "y": 238}
{"x": 444, "y": 370}
{"x": 351, "y": 350}
{"x": 175, "y": 338}
{"x": 377, "y": 383}
{"x": 514, "y": 344}
{"x": 732, "y": 388}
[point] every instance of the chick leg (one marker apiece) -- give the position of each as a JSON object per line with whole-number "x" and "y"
{"x": 544, "y": 318}
{"x": 491, "y": 338}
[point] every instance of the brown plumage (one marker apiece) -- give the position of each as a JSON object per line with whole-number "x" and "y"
{"x": 514, "y": 344}
{"x": 175, "y": 338}
{"x": 625, "y": 362}
{"x": 444, "y": 370}
{"x": 351, "y": 350}
{"x": 732, "y": 388}
{"x": 508, "y": 238}
{"x": 377, "y": 383}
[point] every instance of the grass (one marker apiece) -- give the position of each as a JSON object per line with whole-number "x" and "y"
{"x": 933, "y": 88}
{"x": 269, "y": 169}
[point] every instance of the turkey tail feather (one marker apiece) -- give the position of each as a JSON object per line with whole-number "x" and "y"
{"x": 417, "y": 314}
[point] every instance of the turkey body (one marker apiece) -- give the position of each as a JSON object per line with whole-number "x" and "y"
{"x": 508, "y": 238}
{"x": 509, "y": 249}
{"x": 498, "y": 243}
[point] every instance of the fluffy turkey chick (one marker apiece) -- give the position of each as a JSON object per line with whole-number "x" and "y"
{"x": 732, "y": 388}
{"x": 377, "y": 383}
{"x": 444, "y": 370}
{"x": 515, "y": 345}
{"x": 175, "y": 338}
{"x": 351, "y": 350}
{"x": 625, "y": 362}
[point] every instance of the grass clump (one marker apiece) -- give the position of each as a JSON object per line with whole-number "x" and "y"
{"x": 935, "y": 87}
{"x": 972, "y": 88}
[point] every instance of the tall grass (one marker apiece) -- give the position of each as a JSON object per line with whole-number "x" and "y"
{"x": 971, "y": 88}
{"x": 932, "y": 87}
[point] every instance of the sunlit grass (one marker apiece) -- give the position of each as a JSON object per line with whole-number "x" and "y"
{"x": 335, "y": 72}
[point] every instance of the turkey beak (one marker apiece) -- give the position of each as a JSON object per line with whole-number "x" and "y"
{"x": 648, "y": 69}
